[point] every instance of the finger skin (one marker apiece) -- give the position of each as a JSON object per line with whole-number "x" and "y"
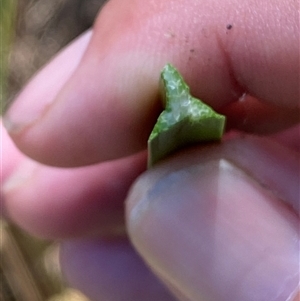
{"x": 10, "y": 155}
{"x": 108, "y": 107}
{"x": 215, "y": 232}
{"x": 251, "y": 115}
{"x": 290, "y": 138}
{"x": 47, "y": 83}
{"x": 89, "y": 201}
{"x": 10, "y": 158}
{"x": 56, "y": 203}
{"x": 110, "y": 270}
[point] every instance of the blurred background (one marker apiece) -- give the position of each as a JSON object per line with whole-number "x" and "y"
{"x": 31, "y": 32}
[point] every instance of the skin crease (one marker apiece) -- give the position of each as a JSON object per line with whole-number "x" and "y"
{"x": 111, "y": 74}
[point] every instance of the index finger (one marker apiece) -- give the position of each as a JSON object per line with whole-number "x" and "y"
{"x": 108, "y": 106}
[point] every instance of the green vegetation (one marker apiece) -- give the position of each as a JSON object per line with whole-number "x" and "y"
{"x": 186, "y": 120}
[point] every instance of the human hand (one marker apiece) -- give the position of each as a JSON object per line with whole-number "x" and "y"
{"x": 217, "y": 222}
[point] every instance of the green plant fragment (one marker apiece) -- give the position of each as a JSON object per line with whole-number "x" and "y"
{"x": 185, "y": 120}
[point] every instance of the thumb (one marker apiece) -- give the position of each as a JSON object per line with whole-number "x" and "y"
{"x": 210, "y": 230}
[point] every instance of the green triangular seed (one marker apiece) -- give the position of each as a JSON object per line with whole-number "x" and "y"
{"x": 185, "y": 120}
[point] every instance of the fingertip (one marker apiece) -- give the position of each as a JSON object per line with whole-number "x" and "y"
{"x": 97, "y": 116}
{"x": 10, "y": 158}
{"x": 200, "y": 226}
{"x": 10, "y": 155}
{"x": 56, "y": 203}
{"x": 38, "y": 95}
{"x": 110, "y": 269}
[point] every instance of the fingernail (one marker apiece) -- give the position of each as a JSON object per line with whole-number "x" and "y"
{"x": 20, "y": 176}
{"x": 35, "y": 99}
{"x": 23, "y": 114}
{"x": 214, "y": 233}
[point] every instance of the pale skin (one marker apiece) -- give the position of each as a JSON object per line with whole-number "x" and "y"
{"x": 218, "y": 222}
